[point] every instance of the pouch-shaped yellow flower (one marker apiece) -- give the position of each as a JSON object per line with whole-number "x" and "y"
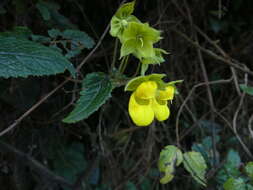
{"x": 161, "y": 109}
{"x": 141, "y": 112}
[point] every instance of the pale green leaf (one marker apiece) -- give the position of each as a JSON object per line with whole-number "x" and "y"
{"x": 97, "y": 89}
{"x": 247, "y": 89}
{"x": 21, "y": 58}
{"x": 170, "y": 157}
{"x": 196, "y": 165}
{"x": 249, "y": 170}
{"x": 234, "y": 184}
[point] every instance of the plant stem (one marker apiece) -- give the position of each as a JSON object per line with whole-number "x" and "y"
{"x": 114, "y": 54}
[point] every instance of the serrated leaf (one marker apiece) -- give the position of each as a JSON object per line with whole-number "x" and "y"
{"x": 234, "y": 184}
{"x": 97, "y": 89}
{"x": 79, "y": 37}
{"x": 247, "y": 89}
{"x": 196, "y": 165}
{"x": 18, "y": 32}
{"x": 170, "y": 157}
{"x": 249, "y": 170}
{"x": 21, "y": 58}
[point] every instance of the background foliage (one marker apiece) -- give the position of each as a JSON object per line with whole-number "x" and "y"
{"x": 210, "y": 45}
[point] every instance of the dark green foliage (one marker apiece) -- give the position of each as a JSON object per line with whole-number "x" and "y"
{"x": 97, "y": 89}
{"x": 22, "y": 58}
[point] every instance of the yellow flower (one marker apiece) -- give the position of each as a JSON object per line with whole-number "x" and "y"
{"x": 148, "y": 102}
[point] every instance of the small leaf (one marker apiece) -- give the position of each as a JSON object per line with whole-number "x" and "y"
{"x": 22, "y": 58}
{"x": 170, "y": 157}
{"x": 44, "y": 11}
{"x": 234, "y": 184}
{"x": 196, "y": 165}
{"x": 53, "y": 33}
{"x": 40, "y": 39}
{"x": 247, "y": 89}
{"x": 249, "y": 170}
{"x": 233, "y": 158}
{"x": 79, "y": 37}
{"x": 96, "y": 90}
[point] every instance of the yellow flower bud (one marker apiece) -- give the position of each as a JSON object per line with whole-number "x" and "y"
{"x": 161, "y": 110}
{"x": 167, "y": 94}
{"x": 141, "y": 114}
{"x": 146, "y": 90}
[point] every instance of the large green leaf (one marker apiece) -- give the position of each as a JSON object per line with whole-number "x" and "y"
{"x": 97, "y": 89}
{"x": 21, "y": 58}
{"x": 196, "y": 165}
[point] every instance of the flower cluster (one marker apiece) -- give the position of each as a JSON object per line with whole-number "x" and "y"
{"x": 148, "y": 102}
{"x": 137, "y": 38}
{"x": 150, "y": 94}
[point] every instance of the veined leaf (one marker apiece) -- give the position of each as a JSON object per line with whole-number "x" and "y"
{"x": 196, "y": 165}
{"x": 170, "y": 157}
{"x": 97, "y": 89}
{"x": 21, "y": 58}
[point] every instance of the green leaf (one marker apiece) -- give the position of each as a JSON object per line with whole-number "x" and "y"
{"x": 44, "y": 11}
{"x": 233, "y": 158}
{"x": 79, "y": 37}
{"x": 247, "y": 89}
{"x": 135, "y": 82}
{"x": 235, "y": 184}
{"x": 21, "y": 58}
{"x": 18, "y": 32}
{"x": 70, "y": 162}
{"x": 97, "y": 89}
{"x": 40, "y": 39}
{"x": 196, "y": 165}
{"x": 49, "y": 12}
{"x": 125, "y": 10}
{"x": 249, "y": 170}
{"x": 170, "y": 157}
{"x": 53, "y": 33}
